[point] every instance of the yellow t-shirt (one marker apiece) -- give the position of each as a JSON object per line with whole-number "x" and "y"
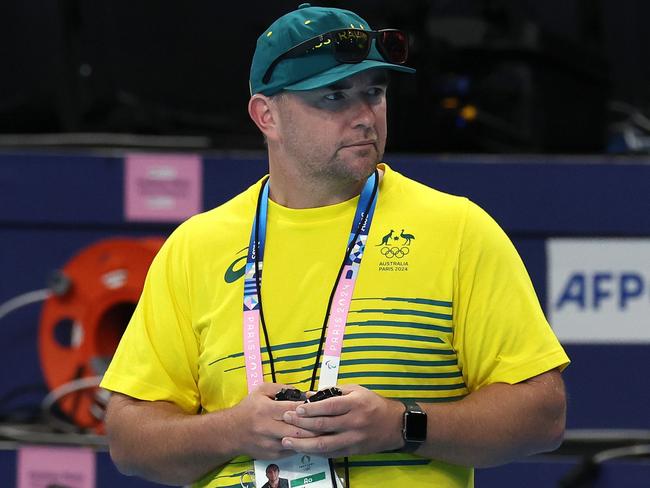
{"x": 442, "y": 306}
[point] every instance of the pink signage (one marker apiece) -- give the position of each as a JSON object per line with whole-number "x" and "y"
{"x": 162, "y": 187}
{"x": 43, "y": 467}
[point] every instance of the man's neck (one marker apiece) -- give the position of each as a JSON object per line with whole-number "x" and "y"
{"x": 293, "y": 189}
{"x": 300, "y": 193}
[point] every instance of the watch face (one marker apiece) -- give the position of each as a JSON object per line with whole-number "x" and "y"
{"x": 416, "y": 426}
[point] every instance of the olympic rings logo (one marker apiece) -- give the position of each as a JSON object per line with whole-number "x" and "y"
{"x": 395, "y": 252}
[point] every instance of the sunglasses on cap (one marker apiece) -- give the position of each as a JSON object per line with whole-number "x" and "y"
{"x": 350, "y": 46}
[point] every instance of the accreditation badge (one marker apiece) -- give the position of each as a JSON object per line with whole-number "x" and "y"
{"x": 298, "y": 471}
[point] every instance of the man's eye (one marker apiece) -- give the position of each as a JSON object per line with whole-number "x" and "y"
{"x": 335, "y": 96}
{"x": 375, "y": 92}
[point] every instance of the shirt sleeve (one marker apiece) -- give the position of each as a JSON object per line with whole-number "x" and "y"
{"x": 157, "y": 358}
{"x": 500, "y": 332}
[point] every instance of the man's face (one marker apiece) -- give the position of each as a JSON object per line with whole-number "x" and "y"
{"x": 337, "y": 132}
{"x": 272, "y": 474}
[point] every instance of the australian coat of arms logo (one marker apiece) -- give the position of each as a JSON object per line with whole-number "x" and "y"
{"x": 395, "y": 248}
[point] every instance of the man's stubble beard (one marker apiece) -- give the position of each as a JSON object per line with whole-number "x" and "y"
{"x": 337, "y": 168}
{"x": 333, "y": 169}
{"x": 340, "y": 169}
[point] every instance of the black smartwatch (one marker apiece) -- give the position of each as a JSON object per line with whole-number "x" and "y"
{"x": 414, "y": 427}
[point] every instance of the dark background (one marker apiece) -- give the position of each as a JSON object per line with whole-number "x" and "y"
{"x": 558, "y": 76}
{"x": 532, "y": 76}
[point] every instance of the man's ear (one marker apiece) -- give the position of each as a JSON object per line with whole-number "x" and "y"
{"x": 264, "y": 113}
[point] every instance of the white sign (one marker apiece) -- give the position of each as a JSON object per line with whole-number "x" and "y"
{"x": 599, "y": 290}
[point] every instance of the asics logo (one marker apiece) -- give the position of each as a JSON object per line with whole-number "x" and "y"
{"x": 231, "y": 275}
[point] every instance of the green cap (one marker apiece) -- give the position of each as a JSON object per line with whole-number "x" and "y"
{"x": 315, "y": 70}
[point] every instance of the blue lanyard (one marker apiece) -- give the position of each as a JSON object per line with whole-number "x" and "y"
{"x": 253, "y": 312}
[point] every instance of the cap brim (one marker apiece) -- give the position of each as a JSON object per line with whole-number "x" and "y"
{"x": 341, "y": 71}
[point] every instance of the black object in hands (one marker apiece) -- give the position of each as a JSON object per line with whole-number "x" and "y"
{"x": 295, "y": 395}
{"x": 290, "y": 395}
{"x": 323, "y": 394}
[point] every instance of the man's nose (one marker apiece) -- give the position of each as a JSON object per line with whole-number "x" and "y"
{"x": 363, "y": 114}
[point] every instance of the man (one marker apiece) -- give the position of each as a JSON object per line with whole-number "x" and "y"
{"x": 274, "y": 480}
{"x": 413, "y": 302}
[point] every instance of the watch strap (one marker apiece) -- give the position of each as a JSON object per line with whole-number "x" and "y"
{"x": 411, "y": 408}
